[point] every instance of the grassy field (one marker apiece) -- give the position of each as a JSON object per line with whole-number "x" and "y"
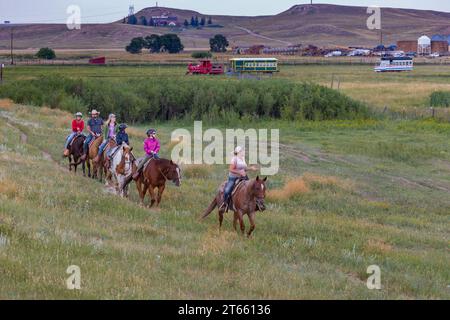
{"x": 400, "y": 91}
{"x": 349, "y": 194}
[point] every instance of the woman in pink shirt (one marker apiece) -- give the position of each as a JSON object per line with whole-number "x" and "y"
{"x": 151, "y": 148}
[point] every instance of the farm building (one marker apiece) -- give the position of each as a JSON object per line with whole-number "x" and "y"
{"x": 254, "y": 65}
{"x": 407, "y": 46}
{"x": 165, "y": 20}
{"x": 439, "y": 46}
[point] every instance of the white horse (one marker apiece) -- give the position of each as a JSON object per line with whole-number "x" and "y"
{"x": 121, "y": 168}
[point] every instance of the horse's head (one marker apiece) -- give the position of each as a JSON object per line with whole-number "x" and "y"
{"x": 174, "y": 173}
{"x": 126, "y": 149}
{"x": 259, "y": 192}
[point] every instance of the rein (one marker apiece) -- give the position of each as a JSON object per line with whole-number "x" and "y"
{"x": 165, "y": 177}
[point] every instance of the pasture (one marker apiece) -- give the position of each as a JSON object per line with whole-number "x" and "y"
{"x": 350, "y": 194}
{"x": 409, "y": 92}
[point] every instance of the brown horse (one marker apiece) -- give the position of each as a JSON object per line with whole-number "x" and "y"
{"x": 92, "y": 154}
{"x": 75, "y": 153}
{"x": 154, "y": 176}
{"x": 104, "y": 163}
{"x": 246, "y": 200}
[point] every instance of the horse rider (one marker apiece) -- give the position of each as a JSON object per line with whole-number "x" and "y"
{"x": 237, "y": 171}
{"x": 121, "y": 137}
{"x": 95, "y": 128}
{"x": 109, "y": 133}
{"x": 151, "y": 148}
{"x": 77, "y": 129}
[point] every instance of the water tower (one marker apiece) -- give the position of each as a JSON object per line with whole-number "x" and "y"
{"x": 424, "y": 46}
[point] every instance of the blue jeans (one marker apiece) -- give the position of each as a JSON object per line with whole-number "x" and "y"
{"x": 69, "y": 139}
{"x": 229, "y": 187}
{"x": 86, "y": 143}
{"x": 102, "y": 147}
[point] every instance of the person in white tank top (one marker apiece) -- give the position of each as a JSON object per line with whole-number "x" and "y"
{"x": 237, "y": 170}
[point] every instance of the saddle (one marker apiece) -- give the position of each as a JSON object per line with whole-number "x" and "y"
{"x": 237, "y": 185}
{"x": 74, "y": 139}
{"x": 92, "y": 142}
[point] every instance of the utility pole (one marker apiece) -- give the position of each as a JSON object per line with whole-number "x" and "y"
{"x": 12, "y": 45}
{"x": 12, "y": 41}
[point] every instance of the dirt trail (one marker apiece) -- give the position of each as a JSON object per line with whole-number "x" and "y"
{"x": 252, "y": 33}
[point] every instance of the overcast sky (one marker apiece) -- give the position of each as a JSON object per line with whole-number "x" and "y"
{"x": 54, "y": 11}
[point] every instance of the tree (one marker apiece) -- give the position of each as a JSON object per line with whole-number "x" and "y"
{"x": 136, "y": 45}
{"x": 209, "y": 20}
{"x": 151, "y": 22}
{"x": 186, "y": 23}
{"x": 219, "y": 43}
{"x": 196, "y": 21}
{"x": 153, "y": 43}
{"x": 203, "y": 21}
{"x": 132, "y": 19}
{"x": 193, "y": 21}
{"x": 172, "y": 43}
{"x": 201, "y": 55}
{"x": 144, "y": 21}
{"x": 46, "y": 53}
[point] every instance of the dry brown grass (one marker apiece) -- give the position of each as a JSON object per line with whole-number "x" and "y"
{"x": 291, "y": 189}
{"x": 9, "y": 189}
{"x": 136, "y": 133}
{"x": 6, "y": 104}
{"x": 377, "y": 246}
{"x": 305, "y": 184}
{"x": 197, "y": 171}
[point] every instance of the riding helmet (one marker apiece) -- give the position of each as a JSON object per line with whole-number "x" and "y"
{"x": 151, "y": 131}
{"x": 123, "y": 126}
{"x": 79, "y": 114}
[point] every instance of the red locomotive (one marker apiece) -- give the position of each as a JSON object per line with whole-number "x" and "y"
{"x": 205, "y": 67}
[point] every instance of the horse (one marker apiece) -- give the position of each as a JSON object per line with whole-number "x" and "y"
{"x": 92, "y": 154}
{"x": 75, "y": 153}
{"x": 247, "y": 198}
{"x": 104, "y": 163}
{"x": 122, "y": 168}
{"x": 155, "y": 175}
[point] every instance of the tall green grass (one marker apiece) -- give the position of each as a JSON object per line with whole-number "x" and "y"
{"x": 144, "y": 100}
{"x": 440, "y": 99}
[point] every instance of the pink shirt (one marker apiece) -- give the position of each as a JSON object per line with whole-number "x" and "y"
{"x": 150, "y": 145}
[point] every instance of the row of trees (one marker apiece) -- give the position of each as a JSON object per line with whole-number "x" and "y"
{"x": 171, "y": 43}
{"x": 155, "y": 43}
{"x": 195, "y": 22}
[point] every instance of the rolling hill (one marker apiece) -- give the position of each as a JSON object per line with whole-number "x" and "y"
{"x": 321, "y": 24}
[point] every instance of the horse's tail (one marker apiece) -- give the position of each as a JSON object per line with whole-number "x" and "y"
{"x": 210, "y": 209}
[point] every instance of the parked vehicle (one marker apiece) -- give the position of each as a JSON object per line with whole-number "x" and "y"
{"x": 205, "y": 67}
{"x": 395, "y": 64}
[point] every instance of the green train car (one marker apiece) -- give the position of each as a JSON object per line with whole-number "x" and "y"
{"x": 254, "y": 65}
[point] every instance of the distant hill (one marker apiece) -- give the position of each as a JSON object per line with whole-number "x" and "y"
{"x": 321, "y": 24}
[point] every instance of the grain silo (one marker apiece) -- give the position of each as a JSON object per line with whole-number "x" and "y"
{"x": 424, "y": 45}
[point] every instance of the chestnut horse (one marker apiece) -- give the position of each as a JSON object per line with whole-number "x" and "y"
{"x": 154, "y": 176}
{"x": 92, "y": 154}
{"x": 246, "y": 200}
{"x": 75, "y": 153}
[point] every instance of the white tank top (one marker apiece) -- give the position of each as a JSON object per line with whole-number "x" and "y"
{"x": 240, "y": 164}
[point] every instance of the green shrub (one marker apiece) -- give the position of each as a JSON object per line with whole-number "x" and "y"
{"x": 202, "y": 55}
{"x": 46, "y": 53}
{"x": 440, "y": 99}
{"x": 224, "y": 101}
